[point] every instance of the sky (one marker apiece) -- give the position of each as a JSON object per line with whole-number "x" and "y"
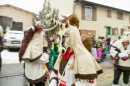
{"x": 29, "y": 5}
{"x": 122, "y": 4}
{"x": 37, "y": 5}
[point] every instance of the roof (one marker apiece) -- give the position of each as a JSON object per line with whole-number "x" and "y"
{"x": 5, "y": 16}
{"x": 8, "y": 5}
{"x": 86, "y": 1}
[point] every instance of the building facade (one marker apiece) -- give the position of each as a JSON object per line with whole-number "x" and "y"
{"x": 15, "y": 18}
{"x": 95, "y": 19}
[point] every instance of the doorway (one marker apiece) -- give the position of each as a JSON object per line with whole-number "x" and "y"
{"x": 108, "y": 31}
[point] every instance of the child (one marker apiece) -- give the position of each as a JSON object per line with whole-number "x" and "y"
{"x": 99, "y": 54}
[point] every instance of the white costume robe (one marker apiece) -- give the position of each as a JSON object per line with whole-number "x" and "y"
{"x": 85, "y": 66}
{"x": 34, "y": 59}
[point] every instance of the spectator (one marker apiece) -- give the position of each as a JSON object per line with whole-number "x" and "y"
{"x": 1, "y": 49}
{"x": 53, "y": 51}
{"x": 99, "y": 54}
{"x": 101, "y": 44}
{"x": 45, "y": 41}
{"x": 108, "y": 43}
{"x": 104, "y": 48}
{"x": 94, "y": 52}
{"x": 24, "y": 62}
{"x": 97, "y": 41}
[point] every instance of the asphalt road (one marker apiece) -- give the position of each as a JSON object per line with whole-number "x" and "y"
{"x": 12, "y": 74}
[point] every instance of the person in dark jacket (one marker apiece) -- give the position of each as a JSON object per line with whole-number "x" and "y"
{"x": 1, "y": 49}
{"x": 108, "y": 43}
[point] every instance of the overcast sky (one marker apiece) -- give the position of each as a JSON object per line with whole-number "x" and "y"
{"x": 30, "y": 5}
{"x": 37, "y": 5}
{"x": 122, "y": 4}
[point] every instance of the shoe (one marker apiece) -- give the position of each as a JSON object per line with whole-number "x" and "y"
{"x": 123, "y": 84}
{"x": 114, "y": 85}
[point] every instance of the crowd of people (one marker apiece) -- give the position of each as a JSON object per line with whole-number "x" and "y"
{"x": 69, "y": 53}
{"x": 101, "y": 47}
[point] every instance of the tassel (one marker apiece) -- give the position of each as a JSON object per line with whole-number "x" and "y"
{"x": 72, "y": 65}
{"x": 59, "y": 60}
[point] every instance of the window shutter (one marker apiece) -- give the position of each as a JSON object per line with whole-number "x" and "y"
{"x": 114, "y": 31}
{"x": 83, "y": 11}
{"x": 94, "y": 13}
{"x": 109, "y": 13}
{"x": 122, "y": 30}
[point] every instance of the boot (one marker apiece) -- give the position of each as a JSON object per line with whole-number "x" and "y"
{"x": 123, "y": 84}
{"x": 114, "y": 85}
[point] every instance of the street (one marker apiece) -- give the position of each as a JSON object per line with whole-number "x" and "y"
{"x": 12, "y": 71}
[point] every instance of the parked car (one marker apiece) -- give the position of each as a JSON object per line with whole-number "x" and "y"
{"x": 13, "y": 39}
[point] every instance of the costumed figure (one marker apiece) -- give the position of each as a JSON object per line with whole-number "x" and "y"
{"x": 31, "y": 52}
{"x": 120, "y": 51}
{"x": 75, "y": 65}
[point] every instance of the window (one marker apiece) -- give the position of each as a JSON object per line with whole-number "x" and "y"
{"x": 17, "y": 26}
{"x": 114, "y": 31}
{"x": 88, "y": 12}
{"x": 109, "y": 13}
{"x": 120, "y": 15}
{"x": 122, "y": 30}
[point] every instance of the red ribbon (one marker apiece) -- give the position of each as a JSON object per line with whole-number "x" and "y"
{"x": 68, "y": 54}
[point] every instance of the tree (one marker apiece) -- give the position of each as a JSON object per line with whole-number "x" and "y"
{"x": 41, "y": 17}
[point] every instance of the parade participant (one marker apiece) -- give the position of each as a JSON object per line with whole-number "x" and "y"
{"x": 120, "y": 51}
{"x": 31, "y": 52}
{"x": 75, "y": 65}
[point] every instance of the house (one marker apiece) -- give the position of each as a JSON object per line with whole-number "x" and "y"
{"x": 95, "y": 19}
{"x": 14, "y": 18}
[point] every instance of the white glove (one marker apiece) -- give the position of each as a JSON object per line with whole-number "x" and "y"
{"x": 123, "y": 55}
{"x": 53, "y": 83}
